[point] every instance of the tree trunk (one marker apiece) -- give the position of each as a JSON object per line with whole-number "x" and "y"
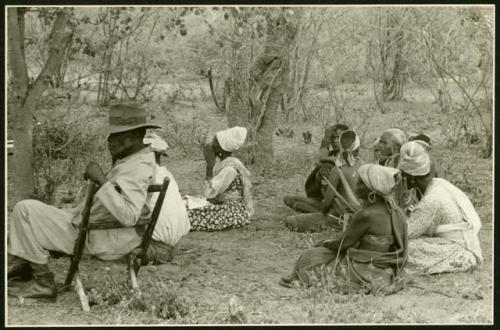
{"x": 237, "y": 111}
{"x": 212, "y": 91}
{"x": 26, "y": 96}
{"x": 300, "y": 69}
{"x": 254, "y": 102}
{"x": 391, "y": 49}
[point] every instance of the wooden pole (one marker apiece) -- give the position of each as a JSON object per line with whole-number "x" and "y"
{"x": 131, "y": 272}
{"x": 80, "y": 243}
{"x": 339, "y": 196}
{"x": 81, "y": 293}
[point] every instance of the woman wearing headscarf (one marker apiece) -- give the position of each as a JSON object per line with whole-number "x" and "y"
{"x": 228, "y": 185}
{"x": 173, "y": 222}
{"x": 387, "y": 153}
{"x": 371, "y": 254}
{"x": 348, "y": 162}
{"x": 387, "y": 147}
{"x": 312, "y": 202}
{"x": 425, "y": 141}
{"x": 443, "y": 227}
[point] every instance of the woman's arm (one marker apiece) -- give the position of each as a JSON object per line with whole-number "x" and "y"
{"x": 328, "y": 195}
{"x": 327, "y": 202}
{"x": 422, "y": 218}
{"x": 219, "y": 183}
{"x": 210, "y": 157}
{"x": 354, "y": 232}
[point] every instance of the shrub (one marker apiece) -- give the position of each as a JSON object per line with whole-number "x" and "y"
{"x": 62, "y": 147}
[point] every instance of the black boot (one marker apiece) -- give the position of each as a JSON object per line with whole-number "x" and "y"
{"x": 18, "y": 269}
{"x": 42, "y": 286}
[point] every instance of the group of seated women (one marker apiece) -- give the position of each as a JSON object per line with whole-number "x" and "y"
{"x": 395, "y": 216}
{"x": 411, "y": 220}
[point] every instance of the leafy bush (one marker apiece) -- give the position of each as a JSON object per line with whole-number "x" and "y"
{"x": 188, "y": 134}
{"x": 62, "y": 148}
{"x": 157, "y": 300}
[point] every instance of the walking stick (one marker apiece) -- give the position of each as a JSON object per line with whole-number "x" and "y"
{"x": 82, "y": 236}
{"x": 339, "y": 196}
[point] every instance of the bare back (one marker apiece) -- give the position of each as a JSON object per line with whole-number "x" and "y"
{"x": 379, "y": 227}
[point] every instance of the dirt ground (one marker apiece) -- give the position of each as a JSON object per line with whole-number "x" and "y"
{"x": 210, "y": 268}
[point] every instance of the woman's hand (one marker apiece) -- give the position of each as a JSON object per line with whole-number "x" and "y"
{"x": 208, "y": 151}
{"x": 210, "y": 156}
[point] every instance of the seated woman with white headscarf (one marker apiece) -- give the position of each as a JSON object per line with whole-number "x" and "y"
{"x": 436, "y": 169}
{"x": 443, "y": 227}
{"x": 228, "y": 187}
{"x": 371, "y": 254}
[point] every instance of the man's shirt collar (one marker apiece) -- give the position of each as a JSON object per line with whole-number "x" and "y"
{"x": 141, "y": 152}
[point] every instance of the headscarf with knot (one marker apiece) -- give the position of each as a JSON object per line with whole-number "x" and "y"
{"x": 157, "y": 144}
{"x": 398, "y": 135}
{"x": 379, "y": 179}
{"x": 424, "y": 144}
{"x": 349, "y": 142}
{"x": 383, "y": 181}
{"x": 232, "y": 139}
{"x": 414, "y": 159}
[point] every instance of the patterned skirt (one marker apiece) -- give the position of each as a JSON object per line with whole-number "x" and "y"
{"x": 227, "y": 215}
{"x": 433, "y": 255}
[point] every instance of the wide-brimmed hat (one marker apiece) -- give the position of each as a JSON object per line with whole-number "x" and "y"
{"x": 126, "y": 117}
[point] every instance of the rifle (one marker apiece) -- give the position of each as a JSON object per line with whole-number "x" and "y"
{"x": 80, "y": 243}
{"x": 148, "y": 234}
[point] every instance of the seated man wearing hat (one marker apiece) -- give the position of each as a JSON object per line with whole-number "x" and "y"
{"x": 173, "y": 222}
{"x": 37, "y": 228}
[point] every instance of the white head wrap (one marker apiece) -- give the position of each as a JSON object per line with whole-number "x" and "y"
{"x": 232, "y": 139}
{"x": 398, "y": 135}
{"x": 423, "y": 144}
{"x": 414, "y": 159}
{"x": 157, "y": 144}
{"x": 351, "y": 160}
{"x": 379, "y": 179}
